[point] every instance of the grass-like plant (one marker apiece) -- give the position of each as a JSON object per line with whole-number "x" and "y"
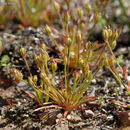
{"x": 86, "y": 58}
{"x": 66, "y": 95}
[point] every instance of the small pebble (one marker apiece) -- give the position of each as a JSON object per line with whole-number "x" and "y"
{"x": 88, "y": 113}
{"x": 110, "y": 117}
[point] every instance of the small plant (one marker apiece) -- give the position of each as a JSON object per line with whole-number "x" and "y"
{"x": 65, "y": 95}
{"x": 4, "y": 60}
{"x": 32, "y": 12}
{"x": 84, "y": 57}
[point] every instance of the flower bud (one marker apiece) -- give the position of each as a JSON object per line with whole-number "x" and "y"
{"x": 113, "y": 44}
{"x": 69, "y": 41}
{"x": 88, "y": 8}
{"x": 43, "y": 47}
{"x": 78, "y": 37}
{"x": 22, "y": 52}
{"x": 42, "y": 75}
{"x": 105, "y": 34}
{"x": 35, "y": 78}
{"x": 44, "y": 78}
{"x": 67, "y": 17}
{"x": 80, "y": 13}
{"x": 109, "y": 32}
{"x": 82, "y": 26}
{"x": 97, "y": 17}
{"x": 37, "y": 59}
{"x": 114, "y": 35}
{"x": 17, "y": 75}
{"x": 54, "y": 66}
{"x": 57, "y": 6}
{"x": 48, "y": 30}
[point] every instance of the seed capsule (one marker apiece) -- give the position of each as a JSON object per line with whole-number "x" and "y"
{"x": 113, "y": 44}
{"x": 48, "y": 30}
{"x": 105, "y": 34}
{"x": 35, "y": 78}
{"x": 97, "y": 17}
{"x": 54, "y": 66}
{"x": 78, "y": 37}
{"x": 43, "y": 47}
{"x": 88, "y": 8}
{"x": 57, "y": 6}
{"x": 80, "y": 13}
{"x": 22, "y": 52}
{"x": 69, "y": 41}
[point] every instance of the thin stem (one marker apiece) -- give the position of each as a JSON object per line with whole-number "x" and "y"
{"x": 61, "y": 21}
{"x": 65, "y": 77}
{"x": 27, "y": 66}
{"x": 56, "y": 44}
{"x": 118, "y": 78}
{"x": 114, "y": 56}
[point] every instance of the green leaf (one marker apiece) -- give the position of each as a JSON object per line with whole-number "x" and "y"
{"x": 5, "y": 59}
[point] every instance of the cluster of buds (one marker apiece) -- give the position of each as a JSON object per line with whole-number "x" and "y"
{"x": 44, "y": 77}
{"x": 110, "y": 36}
{"x": 91, "y": 46}
{"x": 42, "y": 58}
{"x": 39, "y": 60}
{"x": 33, "y": 80}
{"x": 17, "y": 75}
{"x": 104, "y": 61}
